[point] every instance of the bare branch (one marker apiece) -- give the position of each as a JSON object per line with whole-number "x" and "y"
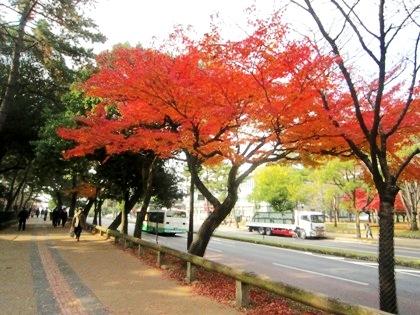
{"x": 343, "y": 68}
{"x": 355, "y": 28}
{"x": 409, "y": 17}
{"x": 416, "y": 69}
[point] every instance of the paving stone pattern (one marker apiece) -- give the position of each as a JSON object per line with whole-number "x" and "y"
{"x": 45, "y": 271}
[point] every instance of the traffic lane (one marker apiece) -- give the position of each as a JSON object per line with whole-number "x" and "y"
{"x": 264, "y": 257}
{"x": 352, "y": 281}
{"x": 347, "y": 244}
{"x": 350, "y": 245}
{"x": 286, "y": 266}
{"x": 224, "y": 250}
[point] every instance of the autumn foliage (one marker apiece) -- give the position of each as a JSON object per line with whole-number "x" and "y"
{"x": 220, "y": 99}
{"x": 248, "y": 102}
{"x": 242, "y": 101}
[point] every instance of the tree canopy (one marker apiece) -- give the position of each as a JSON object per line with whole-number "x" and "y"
{"x": 246, "y": 102}
{"x": 283, "y": 187}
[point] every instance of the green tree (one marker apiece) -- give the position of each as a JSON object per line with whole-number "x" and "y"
{"x": 349, "y": 178}
{"x": 38, "y": 59}
{"x": 55, "y": 173}
{"x": 21, "y": 130}
{"x": 133, "y": 177}
{"x": 53, "y": 33}
{"x": 283, "y": 187}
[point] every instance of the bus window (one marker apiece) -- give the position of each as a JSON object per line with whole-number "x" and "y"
{"x": 180, "y": 214}
{"x": 156, "y": 217}
{"x": 176, "y": 214}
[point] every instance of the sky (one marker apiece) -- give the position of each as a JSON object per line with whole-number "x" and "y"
{"x": 138, "y": 21}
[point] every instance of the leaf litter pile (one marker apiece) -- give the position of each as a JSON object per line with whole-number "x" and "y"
{"x": 222, "y": 289}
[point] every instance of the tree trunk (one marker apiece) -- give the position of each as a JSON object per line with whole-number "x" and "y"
{"x": 386, "y": 259}
{"x": 99, "y": 210}
{"x": 191, "y": 222}
{"x": 73, "y": 200}
{"x": 142, "y": 214}
{"x": 12, "y": 195}
{"x": 202, "y": 239}
{"x": 128, "y": 205}
{"x": 124, "y": 215}
{"x": 12, "y": 80}
{"x": 59, "y": 199}
{"x": 409, "y": 195}
{"x": 116, "y": 223}
{"x": 88, "y": 206}
{"x": 220, "y": 212}
{"x": 358, "y": 232}
{"x": 147, "y": 177}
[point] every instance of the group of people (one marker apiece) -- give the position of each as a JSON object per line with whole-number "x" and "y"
{"x": 58, "y": 216}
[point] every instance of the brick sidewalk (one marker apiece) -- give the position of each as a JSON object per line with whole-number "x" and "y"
{"x": 44, "y": 271}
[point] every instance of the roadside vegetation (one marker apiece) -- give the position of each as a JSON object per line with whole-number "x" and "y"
{"x": 348, "y": 228}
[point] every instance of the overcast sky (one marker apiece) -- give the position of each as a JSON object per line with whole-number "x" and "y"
{"x": 138, "y": 21}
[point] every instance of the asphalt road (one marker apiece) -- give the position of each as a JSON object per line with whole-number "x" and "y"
{"x": 402, "y": 249}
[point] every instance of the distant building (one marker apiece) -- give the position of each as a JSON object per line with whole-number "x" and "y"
{"x": 243, "y": 210}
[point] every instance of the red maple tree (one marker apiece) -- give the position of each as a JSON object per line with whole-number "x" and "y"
{"x": 242, "y": 103}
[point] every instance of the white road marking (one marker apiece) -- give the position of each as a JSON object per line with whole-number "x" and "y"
{"x": 321, "y": 274}
{"x": 214, "y": 250}
{"x": 411, "y": 273}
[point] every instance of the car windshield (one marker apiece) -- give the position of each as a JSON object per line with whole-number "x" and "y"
{"x": 317, "y": 218}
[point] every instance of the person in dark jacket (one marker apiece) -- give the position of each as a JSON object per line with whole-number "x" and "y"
{"x": 63, "y": 217}
{"x": 55, "y": 217}
{"x": 22, "y": 216}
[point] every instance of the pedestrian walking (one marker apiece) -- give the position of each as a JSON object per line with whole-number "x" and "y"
{"x": 78, "y": 223}
{"x": 63, "y": 217}
{"x": 56, "y": 216}
{"x": 22, "y": 216}
{"x": 368, "y": 231}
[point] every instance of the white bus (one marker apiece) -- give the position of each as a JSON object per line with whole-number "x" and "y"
{"x": 165, "y": 221}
